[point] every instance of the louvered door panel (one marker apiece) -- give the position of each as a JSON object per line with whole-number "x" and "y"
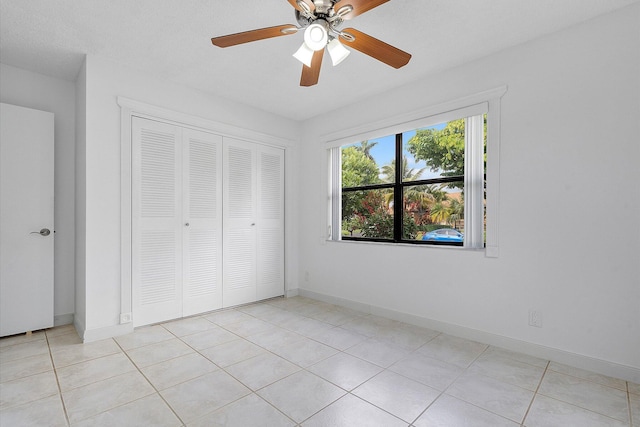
{"x": 156, "y": 214}
{"x": 239, "y": 223}
{"x": 270, "y": 223}
{"x": 202, "y": 288}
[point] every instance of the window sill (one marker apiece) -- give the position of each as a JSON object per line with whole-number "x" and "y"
{"x": 408, "y": 245}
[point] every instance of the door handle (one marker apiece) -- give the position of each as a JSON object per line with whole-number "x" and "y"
{"x": 43, "y": 232}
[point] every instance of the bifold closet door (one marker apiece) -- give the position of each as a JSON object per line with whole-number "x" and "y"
{"x": 270, "y": 214}
{"x": 156, "y": 221}
{"x": 240, "y": 209}
{"x": 253, "y": 222}
{"x": 176, "y": 221}
{"x": 202, "y": 211}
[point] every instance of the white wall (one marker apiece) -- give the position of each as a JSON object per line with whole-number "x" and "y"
{"x": 32, "y": 90}
{"x": 569, "y": 230}
{"x": 105, "y": 81}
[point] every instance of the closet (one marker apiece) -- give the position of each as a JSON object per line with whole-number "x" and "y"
{"x": 207, "y": 221}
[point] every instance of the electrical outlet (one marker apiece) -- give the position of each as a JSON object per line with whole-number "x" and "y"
{"x": 535, "y": 318}
{"x": 306, "y": 276}
{"x": 125, "y": 318}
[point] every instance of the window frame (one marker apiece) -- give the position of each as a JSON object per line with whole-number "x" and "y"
{"x": 487, "y": 102}
{"x": 473, "y": 153}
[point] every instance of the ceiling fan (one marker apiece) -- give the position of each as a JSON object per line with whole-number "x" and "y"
{"x": 321, "y": 21}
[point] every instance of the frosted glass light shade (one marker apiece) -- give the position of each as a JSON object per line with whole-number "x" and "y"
{"x": 315, "y": 36}
{"x": 304, "y": 54}
{"x": 337, "y": 51}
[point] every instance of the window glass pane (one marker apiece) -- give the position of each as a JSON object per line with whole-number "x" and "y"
{"x": 434, "y": 152}
{"x": 368, "y": 214}
{"x": 434, "y": 212}
{"x": 364, "y": 162}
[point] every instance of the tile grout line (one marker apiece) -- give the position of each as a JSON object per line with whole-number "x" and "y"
{"x": 150, "y": 383}
{"x": 254, "y": 392}
{"x": 629, "y": 404}
{"x": 535, "y": 393}
{"x": 384, "y": 369}
{"x": 367, "y": 337}
{"x": 305, "y": 369}
{"x": 55, "y": 373}
{"x": 568, "y": 402}
{"x": 443, "y": 392}
{"x": 255, "y": 314}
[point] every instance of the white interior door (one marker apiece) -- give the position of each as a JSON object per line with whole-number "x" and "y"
{"x": 26, "y": 224}
{"x": 202, "y": 216}
{"x": 157, "y": 225}
{"x": 270, "y": 223}
{"x": 240, "y": 211}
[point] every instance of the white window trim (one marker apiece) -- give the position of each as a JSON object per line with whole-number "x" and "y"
{"x": 484, "y": 102}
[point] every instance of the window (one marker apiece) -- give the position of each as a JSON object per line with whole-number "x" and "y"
{"x": 423, "y": 185}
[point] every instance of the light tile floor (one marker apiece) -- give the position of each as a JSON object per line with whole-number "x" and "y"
{"x": 295, "y": 362}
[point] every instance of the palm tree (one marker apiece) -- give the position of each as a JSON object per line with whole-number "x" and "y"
{"x": 440, "y": 212}
{"x": 456, "y": 208}
{"x": 436, "y": 191}
{"x": 365, "y": 147}
{"x": 415, "y": 198}
{"x": 389, "y": 171}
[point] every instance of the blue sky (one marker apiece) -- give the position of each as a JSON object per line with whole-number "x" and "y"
{"x": 384, "y": 151}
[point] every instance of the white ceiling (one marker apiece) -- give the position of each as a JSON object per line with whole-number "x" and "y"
{"x": 171, "y": 40}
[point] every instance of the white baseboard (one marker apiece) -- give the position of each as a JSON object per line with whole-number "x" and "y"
{"x": 292, "y": 293}
{"x": 63, "y": 319}
{"x": 107, "y": 332}
{"x": 604, "y": 367}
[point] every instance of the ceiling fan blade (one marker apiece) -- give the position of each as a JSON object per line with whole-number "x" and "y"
{"x": 359, "y": 6}
{"x": 376, "y": 48}
{"x": 254, "y": 35}
{"x": 311, "y": 74}
{"x": 309, "y": 3}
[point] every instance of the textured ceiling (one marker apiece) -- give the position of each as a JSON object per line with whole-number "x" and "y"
{"x": 171, "y": 40}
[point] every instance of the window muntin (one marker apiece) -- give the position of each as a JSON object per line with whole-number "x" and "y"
{"x": 428, "y": 189}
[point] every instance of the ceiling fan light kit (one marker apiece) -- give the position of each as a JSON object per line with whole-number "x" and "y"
{"x": 337, "y": 51}
{"x": 321, "y": 21}
{"x": 304, "y": 54}
{"x": 316, "y": 35}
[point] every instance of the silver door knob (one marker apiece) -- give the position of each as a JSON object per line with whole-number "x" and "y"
{"x": 186, "y": 224}
{"x": 43, "y": 232}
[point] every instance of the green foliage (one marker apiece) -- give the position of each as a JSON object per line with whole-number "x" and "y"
{"x": 357, "y": 168}
{"x": 351, "y": 203}
{"x": 371, "y": 216}
{"x": 436, "y": 192}
{"x": 456, "y": 211}
{"x": 430, "y": 227}
{"x": 409, "y": 227}
{"x": 379, "y": 224}
{"x": 351, "y": 224}
{"x": 441, "y": 149}
{"x": 440, "y": 212}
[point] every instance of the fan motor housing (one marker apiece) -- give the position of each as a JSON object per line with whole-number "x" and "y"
{"x": 323, "y": 6}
